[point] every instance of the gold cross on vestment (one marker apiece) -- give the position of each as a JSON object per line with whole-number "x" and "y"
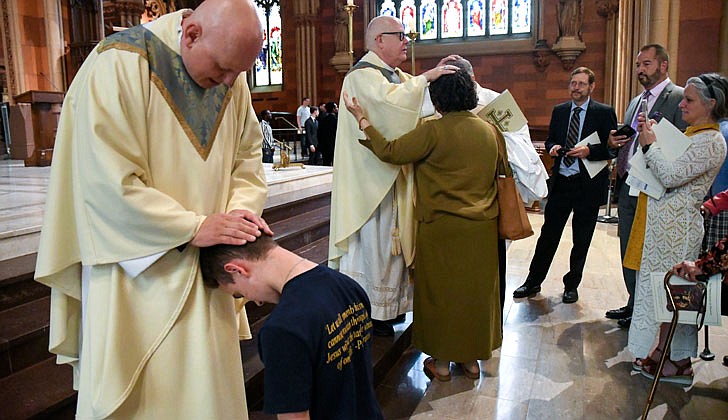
{"x": 500, "y": 118}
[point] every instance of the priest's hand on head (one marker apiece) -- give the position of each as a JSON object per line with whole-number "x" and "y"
{"x": 449, "y": 58}
{"x": 434, "y": 74}
{"x": 234, "y": 228}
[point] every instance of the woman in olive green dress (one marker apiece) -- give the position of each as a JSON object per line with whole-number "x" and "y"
{"x": 457, "y": 316}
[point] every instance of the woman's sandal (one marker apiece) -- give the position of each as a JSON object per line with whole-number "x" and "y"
{"x": 682, "y": 376}
{"x": 647, "y": 361}
{"x": 431, "y": 370}
{"x": 468, "y": 373}
{"x": 639, "y": 363}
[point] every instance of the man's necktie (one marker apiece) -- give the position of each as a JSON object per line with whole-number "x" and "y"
{"x": 572, "y": 136}
{"x": 626, "y": 152}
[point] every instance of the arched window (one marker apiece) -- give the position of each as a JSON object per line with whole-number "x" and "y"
{"x": 268, "y": 69}
{"x": 444, "y": 21}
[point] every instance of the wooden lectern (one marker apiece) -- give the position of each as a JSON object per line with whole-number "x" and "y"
{"x": 45, "y": 110}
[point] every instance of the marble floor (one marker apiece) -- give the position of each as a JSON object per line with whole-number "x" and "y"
{"x": 558, "y": 360}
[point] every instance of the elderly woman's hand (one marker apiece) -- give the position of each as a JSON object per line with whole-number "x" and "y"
{"x": 687, "y": 270}
{"x": 644, "y": 128}
{"x": 356, "y": 110}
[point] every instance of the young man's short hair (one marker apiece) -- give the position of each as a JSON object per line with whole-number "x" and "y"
{"x": 214, "y": 258}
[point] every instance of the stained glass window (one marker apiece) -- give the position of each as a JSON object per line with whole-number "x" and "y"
{"x": 428, "y": 19}
{"x": 387, "y": 8}
{"x": 268, "y": 68}
{"x": 476, "y": 18}
{"x": 498, "y": 17}
{"x": 521, "y": 20}
{"x": 452, "y": 19}
{"x": 462, "y": 19}
{"x": 408, "y": 15}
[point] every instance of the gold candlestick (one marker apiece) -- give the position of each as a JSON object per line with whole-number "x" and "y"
{"x": 350, "y": 11}
{"x": 412, "y": 37}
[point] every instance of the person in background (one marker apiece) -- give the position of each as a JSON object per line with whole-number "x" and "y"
{"x": 316, "y": 344}
{"x": 669, "y": 229}
{"x": 327, "y": 133}
{"x": 303, "y": 113}
{"x": 663, "y": 98}
{"x": 312, "y": 137}
{"x": 457, "y": 315}
{"x": 573, "y": 189}
{"x": 134, "y": 195}
{"x": 268, "y": 141}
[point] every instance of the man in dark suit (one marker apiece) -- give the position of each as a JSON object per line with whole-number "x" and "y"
{"x": 572, "y": 189}
{"x": 327, "y": 133}
{"x": 663, "y": 98}
{"x": 311, "y": 141}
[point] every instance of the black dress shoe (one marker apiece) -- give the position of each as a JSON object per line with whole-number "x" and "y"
{"x": 526, "y": 290}
{"x": 382, "y": 328}
{"x": 621, "y": 313}
{"x": 625, "y": 322}
{"x": 570, "y": 296}
{"x": 725, "y": 360}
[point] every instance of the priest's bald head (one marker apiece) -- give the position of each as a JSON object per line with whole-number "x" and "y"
{"x": 220, "y": 40}
{"x": 385, "y": 37}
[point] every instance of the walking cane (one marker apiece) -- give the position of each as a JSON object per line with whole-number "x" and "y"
{"x": 666, "y": 350}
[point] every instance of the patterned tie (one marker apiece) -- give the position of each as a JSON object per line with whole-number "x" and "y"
{"x": 626, "y": 152}
{"x": 572, "y": 137}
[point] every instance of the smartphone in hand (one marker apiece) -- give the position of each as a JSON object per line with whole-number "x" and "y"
{"x": 625, "y": 130}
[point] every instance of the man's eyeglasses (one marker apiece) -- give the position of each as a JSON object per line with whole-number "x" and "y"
{"x": 400, "y": 34}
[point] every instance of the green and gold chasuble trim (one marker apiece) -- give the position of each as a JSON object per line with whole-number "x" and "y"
{"x": 199, "y": 111}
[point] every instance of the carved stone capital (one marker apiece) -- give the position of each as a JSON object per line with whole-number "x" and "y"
{"x": 568, "y": 49}
{"x": 541, "y": 55}
{"x": 340, "y": 61}
{"x": 607, "y": 8}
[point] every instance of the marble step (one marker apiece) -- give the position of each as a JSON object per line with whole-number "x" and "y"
{"x": 300, "y": 230}
{"x": 44, "y": 390}
{"x": 24, "y": 336}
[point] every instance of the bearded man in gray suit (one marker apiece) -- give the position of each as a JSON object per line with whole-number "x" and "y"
{"x": 663, "y": 98}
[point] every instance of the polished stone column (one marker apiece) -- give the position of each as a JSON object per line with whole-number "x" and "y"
{"x": 306, "y": 14}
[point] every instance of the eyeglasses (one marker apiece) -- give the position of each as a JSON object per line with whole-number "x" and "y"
{"x": 400, "y": 34}
{"x": 574, "y": 83}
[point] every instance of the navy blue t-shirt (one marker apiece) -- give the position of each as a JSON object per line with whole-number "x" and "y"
{"x": 316, "y": 347}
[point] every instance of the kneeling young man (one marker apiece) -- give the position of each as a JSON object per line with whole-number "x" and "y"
{"x": 316, "y": 343}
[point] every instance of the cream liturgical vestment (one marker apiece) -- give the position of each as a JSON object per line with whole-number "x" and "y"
{"x": 142, "y": 155}
{"x": 372, "y": 203}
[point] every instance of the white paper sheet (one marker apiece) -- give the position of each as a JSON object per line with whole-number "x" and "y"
{"x": 642, "y": 178}
{"x": 592, "y": 166}
{"x": 712, "y": 309}
{"x": 671, "y": 141}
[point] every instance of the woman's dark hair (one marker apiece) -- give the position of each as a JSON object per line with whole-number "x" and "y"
{"x": 454, "y": 92}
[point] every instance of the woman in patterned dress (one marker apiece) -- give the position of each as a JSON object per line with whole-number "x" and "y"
{"x": 671, "y": 227}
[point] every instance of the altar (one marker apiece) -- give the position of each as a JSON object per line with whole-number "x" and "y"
{"x": 23, "y": 191}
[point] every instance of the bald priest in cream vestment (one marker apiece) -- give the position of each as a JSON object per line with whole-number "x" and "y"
{"x": 372, "y": 204}
{"x": 143, "y": 154}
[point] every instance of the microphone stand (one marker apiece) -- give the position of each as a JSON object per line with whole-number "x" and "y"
{"x": 608, "y": 218}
